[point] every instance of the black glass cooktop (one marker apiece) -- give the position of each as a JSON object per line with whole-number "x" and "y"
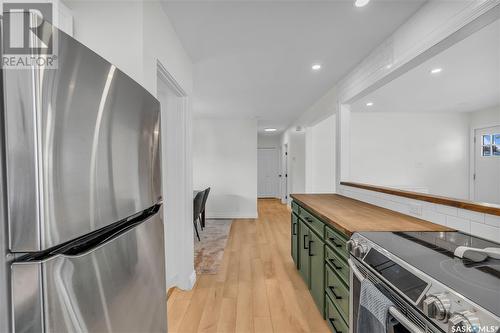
{"x": 432, "y": 253}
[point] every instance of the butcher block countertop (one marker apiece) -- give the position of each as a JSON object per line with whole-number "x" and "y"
{"x": 350, "y": 215}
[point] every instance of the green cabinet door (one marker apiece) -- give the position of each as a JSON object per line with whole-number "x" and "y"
{"x": 304, "y": 239}
{"x": 317, "y": 267}
{"x": 295, "y": 239}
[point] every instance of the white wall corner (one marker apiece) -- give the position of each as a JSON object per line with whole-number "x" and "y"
{"x": 188, "y": 281}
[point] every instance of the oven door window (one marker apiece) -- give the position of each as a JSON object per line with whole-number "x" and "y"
{"x": 397, "y": 327}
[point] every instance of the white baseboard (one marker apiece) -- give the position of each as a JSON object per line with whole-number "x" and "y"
{"x": 192, "y": 280}
{"x": 172, "y": 281}
{"x": 232, "y": 215}
{"x": 188, "y": 282}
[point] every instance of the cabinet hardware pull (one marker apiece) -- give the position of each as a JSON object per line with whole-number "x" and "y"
{"x": 294, "y": 229}
{"x": 332, "y": 289}
{"x": 333, "y": 264}
{"x": 304, "y": 242}
{"x": 334, "y": 242}
{"x": 308, "y": 219}
{"x": 333, "y": 325}
{"x": 310, "y": 254}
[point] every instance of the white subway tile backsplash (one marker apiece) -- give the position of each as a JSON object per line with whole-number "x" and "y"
{"x": 492, "y": 220}
{"x": 482, "y": 225}
{"x": 434, "y": 217}
{"x": 398, "y": 207}
{"x": 453, "y": 211}
{"x": 458, "y": 223}
{"x": 470, "y": 215}
{"x": 485, "y": 231}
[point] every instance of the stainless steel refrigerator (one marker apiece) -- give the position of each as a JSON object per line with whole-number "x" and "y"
{"x": 80, "y": 189}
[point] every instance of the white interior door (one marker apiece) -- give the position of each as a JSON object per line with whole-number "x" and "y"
{"x": 267, "y": 173}
{"x": 487, "y": 165}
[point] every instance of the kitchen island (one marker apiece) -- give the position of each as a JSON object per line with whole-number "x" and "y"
{"x": 321, "y": 225}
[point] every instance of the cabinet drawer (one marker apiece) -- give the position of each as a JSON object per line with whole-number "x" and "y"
{"x": 334, "y": 319}
{"x": 295, "y": 207}
{"x": 338, "y": 264}
{"x": 337, "y": 241}
{"x": 338, "y": 292}
{"x": 312, "y": 221}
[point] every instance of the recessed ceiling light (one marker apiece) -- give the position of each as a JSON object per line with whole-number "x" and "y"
{"x": 270, "y": 130}
{"x": 316, "y": 67}
{"x": 361, "y": 3}
{"x": 369, "y": 104}
{"x": 436, "y": 70}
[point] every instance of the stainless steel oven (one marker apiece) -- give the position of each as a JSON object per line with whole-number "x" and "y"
{"x": 426, "y": 283}
{"x": 403, "y": 319}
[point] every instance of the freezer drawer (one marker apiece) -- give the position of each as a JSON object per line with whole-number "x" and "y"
{"x": 82, "y": 148}
{"x": 118, "y": 286}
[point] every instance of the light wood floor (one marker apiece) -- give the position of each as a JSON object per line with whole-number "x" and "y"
{"x": 257, "y": 289}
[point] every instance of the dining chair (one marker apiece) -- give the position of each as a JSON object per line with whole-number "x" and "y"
{"x": 205, "y": 197}
{"x": 197, "y": 206}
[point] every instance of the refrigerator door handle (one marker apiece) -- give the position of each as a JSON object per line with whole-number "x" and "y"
{"x": 92, "y": 242}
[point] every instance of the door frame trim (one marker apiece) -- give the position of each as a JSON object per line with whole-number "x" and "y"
{"x": 185, "y": 276}
{"x": 472, "y": 158}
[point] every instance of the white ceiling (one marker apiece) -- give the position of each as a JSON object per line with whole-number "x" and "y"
{"x": 470, "y": 80}
{"x": 253, "y": 58}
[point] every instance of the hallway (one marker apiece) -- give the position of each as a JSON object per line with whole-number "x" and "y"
{"x": 257, "y": 289}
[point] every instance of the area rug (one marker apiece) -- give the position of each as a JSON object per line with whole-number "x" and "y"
{"x": 209, "y": 251}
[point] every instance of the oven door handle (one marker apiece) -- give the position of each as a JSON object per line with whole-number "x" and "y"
{"x": 392, "y": 310}
{"x": 401, "y": 318}
{"x": 355, "y": 270}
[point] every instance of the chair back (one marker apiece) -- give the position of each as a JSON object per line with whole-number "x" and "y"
{"x": 197, "y": 204}
{"x": 205, "y": 197}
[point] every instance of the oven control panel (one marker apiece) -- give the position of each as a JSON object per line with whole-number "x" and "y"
{"x": 448, "y": 310}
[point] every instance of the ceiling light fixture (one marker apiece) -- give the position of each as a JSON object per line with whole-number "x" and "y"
{"x": 369, "y": 104}
{"x": 361, "y": 3}
{"x": 436, "y": 70}
{"x": 316, "y": 67}
{"x": 270, "y": 130}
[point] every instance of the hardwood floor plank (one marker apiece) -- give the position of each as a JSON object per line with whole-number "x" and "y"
{"x": 262, "y": 325}
{"x": 227, "y": 318}
{"x": 257, "y": 289}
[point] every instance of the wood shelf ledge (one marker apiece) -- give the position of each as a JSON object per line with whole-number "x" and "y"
{"x": 480, "y": 207}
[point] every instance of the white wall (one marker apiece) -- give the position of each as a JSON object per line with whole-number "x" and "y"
{"x": 320, "y": 156}
{"x": 268, "y": 140}
{"x": 225, "y": 159}
{"x": 424, "y": 34}
{"x": 425, "y": 151}
{"x": 296, "y": 141}
{"x": 485, "y": 118}
{"x": 318, "y": 175}
{"x": 134, "y": 36}
{"x": 113, "y": 29}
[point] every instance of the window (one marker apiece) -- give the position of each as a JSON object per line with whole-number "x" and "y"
{"x": 490, "y": 145}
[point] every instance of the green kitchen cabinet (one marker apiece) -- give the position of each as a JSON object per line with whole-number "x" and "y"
{"x": 304, "y": 251}
{"x": 295, "y": 239}
{"x": 319, "y": 252}
{"x": 317, "y": 267}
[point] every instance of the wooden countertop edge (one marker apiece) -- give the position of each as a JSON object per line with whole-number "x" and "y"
{"x": 323, "y": 217}
{"x": 480, "y": 207}
{"x": 348, "y": 232}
